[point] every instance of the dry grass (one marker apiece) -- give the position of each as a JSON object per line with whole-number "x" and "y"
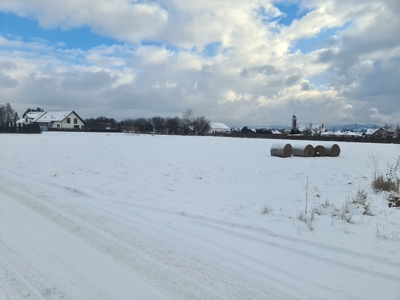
{"x": 380, "y": 232}
{"x": 344, "y": 212}
{"x": 381, "y": 183}
{"x": 266, "y": 209}
{"x": 361, "y": 197}
{"x": 307, "y": 218}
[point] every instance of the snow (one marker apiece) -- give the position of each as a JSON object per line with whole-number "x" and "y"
{"x": 54, "y": 115}
{"x": 124, "y": 216}
{"x": 371, "y": 131}
{"x": 32, "y": 117}
{"x": 218, "y": 126}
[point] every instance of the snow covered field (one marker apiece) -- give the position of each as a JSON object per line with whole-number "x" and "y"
{"x": 121, "y": 216}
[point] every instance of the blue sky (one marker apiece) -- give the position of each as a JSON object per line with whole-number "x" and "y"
{"x": 290, "y": 12}
{"x": 26, "y": 29}
{"x": 242, "y": 64}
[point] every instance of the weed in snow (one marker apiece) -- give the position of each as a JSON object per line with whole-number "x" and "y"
{"x": 380, "y": 232}
{"x": 267, "y": 209}
{"x": 343, "y": 212}
{"x": 307, "y": 218}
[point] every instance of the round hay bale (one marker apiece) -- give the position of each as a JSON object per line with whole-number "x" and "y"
{"x": 281, "y": 150}
{"x": 332, "y": 150}
{"x": 319, "y": 150}
{"x": 305, "y": 150}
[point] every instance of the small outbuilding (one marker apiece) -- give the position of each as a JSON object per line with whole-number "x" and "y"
{"x": 219, "y": 128}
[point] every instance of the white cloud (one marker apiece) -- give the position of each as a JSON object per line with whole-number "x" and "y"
{"x": 120, "y": 19}
{"x": 255, "y": 75}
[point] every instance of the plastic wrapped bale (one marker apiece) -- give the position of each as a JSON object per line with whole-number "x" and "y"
{"x": 281, "y": 150}
{"x": 332, "y": 150}
{"x": 319, "y": 150}
{"x": 305, "y": 150}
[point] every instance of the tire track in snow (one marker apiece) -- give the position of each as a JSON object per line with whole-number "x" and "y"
{"x": 333, "y": 263}
{"x": 77, "y": 200}
{"x": 225, "y": 226}
{"x": 72, "y": 192}
{"x": 31, "y": 269}
{"x": 168, "y": 268}
{"x": 18, "y": 280}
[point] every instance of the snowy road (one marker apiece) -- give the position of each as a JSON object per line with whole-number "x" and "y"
{"x": 65, "y": 240}
{"x": 71, "y": 251}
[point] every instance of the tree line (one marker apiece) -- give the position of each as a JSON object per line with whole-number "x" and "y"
{"x": 189, "y": 123}
{"x": 8, "y": 114}
{"x": 8, "y": 119}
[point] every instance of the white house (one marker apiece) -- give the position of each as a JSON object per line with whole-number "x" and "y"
{"x": 54, "y": 119}
{"x": 371, "y": 131}
{"x": 383, "y": 132}
{"x": 219, "y": 128}
{"x": 60, "y": 119}
{"x": 392, "y": 133}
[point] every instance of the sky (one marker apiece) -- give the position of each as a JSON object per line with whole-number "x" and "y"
{"x": 243, "y": 63}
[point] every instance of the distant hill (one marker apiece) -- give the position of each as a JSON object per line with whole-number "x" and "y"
{"x": 277, "y": 127}
{"x": 352, "y": 127}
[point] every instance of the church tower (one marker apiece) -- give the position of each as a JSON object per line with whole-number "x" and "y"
{"x": 294, "y": 123}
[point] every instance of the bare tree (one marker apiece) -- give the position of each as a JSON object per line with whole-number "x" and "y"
{"x": 186, "y": 122}
{"x": 172, "y": 125}
{"x": 143, "y": 125}
{"x": 129, "y": 125}
{"x": 201, "y": 125}
{"x": 9, "y": 113}
{"x": 158, "y": 124}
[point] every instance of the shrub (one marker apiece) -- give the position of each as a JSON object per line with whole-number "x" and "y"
{"x": 361, "y": 197}
{"x": 381, "y": 183}
{"x": 394, "y": 200}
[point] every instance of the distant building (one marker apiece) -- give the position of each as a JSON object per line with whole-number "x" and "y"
{"x": 58, "y": 119}
{"x": 219, "y": 128}
{"x": 383, "y": 133}
{"x": 391, "y": 133}
{"x": 371, "y": 132}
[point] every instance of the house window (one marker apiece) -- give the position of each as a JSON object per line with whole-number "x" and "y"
{"x": 68, "y": 120}
{"x": 75, "y": 120}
